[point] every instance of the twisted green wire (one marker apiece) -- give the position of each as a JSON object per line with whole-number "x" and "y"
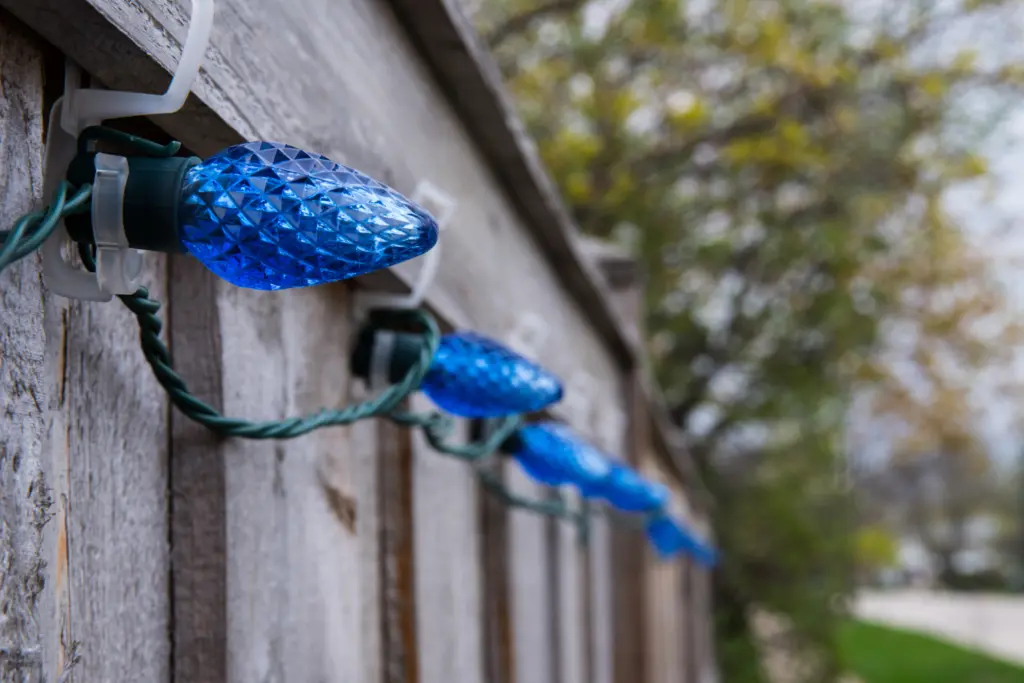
{"x": 33, "y": 229}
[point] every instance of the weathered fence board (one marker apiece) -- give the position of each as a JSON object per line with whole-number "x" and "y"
{"x": 601, "y": 612}
{"x": 105, "y": 444}
{"x": 117, "y": 439}
{"x": 571, "y": 586}
{"x": 293, "y": 570}
{"x": 31, "y": 619}
{"x": 448, "y": 569}
{"x": 533, "y": 609}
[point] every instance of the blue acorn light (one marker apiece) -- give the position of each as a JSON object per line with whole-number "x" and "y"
{"x": 671, "y": 538}
{"x": 626, "y": 490}
{"x": 470, "y": 375}
{"x": 473, "y": 376}
{"x": 552, "y": 454}
{"x": 265, "y": 215}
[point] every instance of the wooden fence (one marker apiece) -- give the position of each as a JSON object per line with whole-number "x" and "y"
{"x": 135, "y": 546}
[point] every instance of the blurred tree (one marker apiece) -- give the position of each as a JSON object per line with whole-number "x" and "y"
{"x": 779, "y": 168}
{"x": 876, "y": 548}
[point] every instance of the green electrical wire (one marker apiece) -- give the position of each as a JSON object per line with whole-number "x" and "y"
{"x": 33, "y": 229}
{"x": 159, "y": 359}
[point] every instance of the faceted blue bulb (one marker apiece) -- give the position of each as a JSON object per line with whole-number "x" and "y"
{"x": 476, "y": 377}
{"x": 626, "y": 490}
{"x": 269, "y": 216}
{"x": 552, "y": 454}
{"x": 669, "y": 538}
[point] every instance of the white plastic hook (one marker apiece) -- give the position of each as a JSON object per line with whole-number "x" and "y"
{"x": 529, "y": 334}
{"x": 117, "y": 266}
{"x": 442, "y": 207}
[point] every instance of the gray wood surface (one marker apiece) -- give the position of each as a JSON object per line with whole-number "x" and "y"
{"x": 448, "y": 566}
{"x": 197, "y": 480}
{"x": 99, "y": 466}
{"x": 533, "y": 609}
{"x": 397, "y": 559}
{"x": 572, "y": 629}
{"x": 273, "y": 539}
{"x": 30, "y": 623}
{"x": 117, "y": 441}
{"x": 602, "y": 600}
{"x": 294, "y": 599}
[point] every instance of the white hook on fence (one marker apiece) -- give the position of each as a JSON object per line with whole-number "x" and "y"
{"x": 441, "y": 206}
{"x": 117, "y": 266}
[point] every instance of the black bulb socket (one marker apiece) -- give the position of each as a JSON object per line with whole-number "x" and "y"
{"x": 404, "y": 354}
{"x": 152, "y": 200}
{"x": 512, "y": 445}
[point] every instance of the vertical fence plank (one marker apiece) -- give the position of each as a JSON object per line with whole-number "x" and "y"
{"x": 534, "y": 638}
{"x": 602, "y": 589}
{"x": 497, "y": 597}
{"x": 32, "y": 488}
{"x": 96, "y": 478}
{"x": 448, "y": 570}
{"x": 397, "y": 561}
{"x": 117, "y": 417}
{"x": 198, "y": 507}
{"x": 289, "y": 590}
{"x": 367, "y": 456}
{"x": 571, "y": 605}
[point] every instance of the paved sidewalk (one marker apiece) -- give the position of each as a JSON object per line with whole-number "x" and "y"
{"x": 989, "y": 623}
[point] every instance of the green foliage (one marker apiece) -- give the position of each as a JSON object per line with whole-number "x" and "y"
{"x": 883, "y": 655}
{"x": 778, "y": 168}
{"x": 876, "y": 548}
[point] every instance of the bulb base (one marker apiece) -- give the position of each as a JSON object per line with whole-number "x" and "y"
{"x": 152, "y": 196}
{"x": 404, "y": 354}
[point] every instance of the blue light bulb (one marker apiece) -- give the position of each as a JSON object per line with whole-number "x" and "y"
{"x": 671, "y": 538}
{"x": 264, "y": 215}
{"x": 668, "y": 537}
{"x": 476, "y": 377}
{"x": 552, "y": 454}
{"x": 626, "y": 490}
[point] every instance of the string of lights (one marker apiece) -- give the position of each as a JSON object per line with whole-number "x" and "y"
{"x": 269, "y": 216}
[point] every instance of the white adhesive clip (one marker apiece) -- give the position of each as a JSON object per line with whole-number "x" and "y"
{"x": 118, "y": 267}
{"x": 578, "y": 403}
{"x": 441, "y": 206}
{"x": 528, "y": 336}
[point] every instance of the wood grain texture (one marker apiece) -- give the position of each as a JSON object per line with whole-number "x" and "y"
{"x": 341, "y": 77}
{"x": 499, "y": 661}
{"x": 366, "y": 456}
{"x": 293, "y": 599}
{"x": 29, "y": 620}
{"x": 104, "y": 447}
{"x": 667, "y": 611}
{"x": 601, "y": 613}
{"x": 397, "y": 558}
{"x": 198, "y": 510}
{"x": 629, "y": 557}
{"x": 449, "y": 574}
{"x": 117, "y": 436}
{"x": 571, "y": 606}
{"x": 533, "y": 609}
{"x": 271, "y": 580}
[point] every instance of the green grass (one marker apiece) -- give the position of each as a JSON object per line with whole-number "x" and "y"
{"x": 883, "y": 655}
